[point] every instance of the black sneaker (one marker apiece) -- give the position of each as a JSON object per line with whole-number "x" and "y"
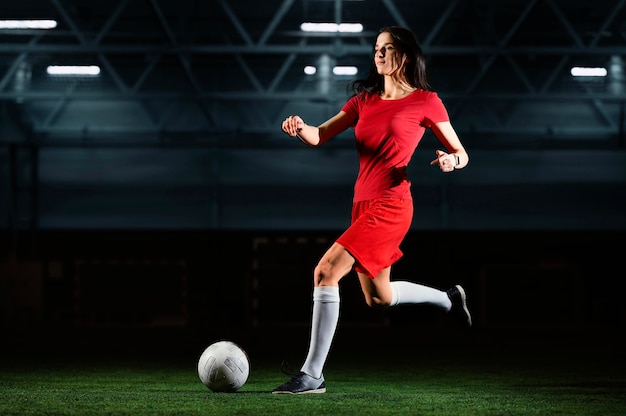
{"x": 302, "y": 383}
{"x": 459, "y": 304}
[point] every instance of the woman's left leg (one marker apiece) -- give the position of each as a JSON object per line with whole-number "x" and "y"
{"x": 381, "y": 292}
{"x": 377, "y": 291}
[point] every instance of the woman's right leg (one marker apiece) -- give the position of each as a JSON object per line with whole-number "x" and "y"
{"x": 335, "y": 264}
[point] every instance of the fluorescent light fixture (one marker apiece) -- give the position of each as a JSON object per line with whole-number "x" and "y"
{"x": 337, "y": 70}
{"x": 28, "y": 24}
{"x": 345, "y": 70}
{"x": 74, "y": 70}
{"x": 332, "y": 27}
{"x": 579, "y": 71}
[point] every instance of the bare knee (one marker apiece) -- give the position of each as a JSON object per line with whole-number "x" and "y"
{"x": 326, "y": 275}
{"x": 376, "y": 302}
{"x": 377, "y": 291}
{"x": 334, "y": 264}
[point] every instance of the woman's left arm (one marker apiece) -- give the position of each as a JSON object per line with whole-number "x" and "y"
{"x": 455, "y": 156}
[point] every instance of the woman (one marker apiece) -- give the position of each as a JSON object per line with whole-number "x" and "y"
{"x": 389, "y": 112}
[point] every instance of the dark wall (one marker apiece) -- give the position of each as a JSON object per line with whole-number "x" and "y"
{"x": 298, "y": 188}
{"x": 255, "y": 280}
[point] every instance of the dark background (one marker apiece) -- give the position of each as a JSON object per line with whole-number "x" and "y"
{"x": 160, "y": 203}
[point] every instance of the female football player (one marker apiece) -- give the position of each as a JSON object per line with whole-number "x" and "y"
{"x": 389, "y": 111}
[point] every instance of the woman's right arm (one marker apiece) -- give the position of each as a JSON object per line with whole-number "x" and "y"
{"x": 317, "y": 135}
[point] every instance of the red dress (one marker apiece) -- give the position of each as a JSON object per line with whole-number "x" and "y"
{"x": 387, "y": 134}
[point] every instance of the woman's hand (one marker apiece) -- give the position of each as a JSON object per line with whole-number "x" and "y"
{"x": 446, "y": 161}
{"x": 292, "y": 125}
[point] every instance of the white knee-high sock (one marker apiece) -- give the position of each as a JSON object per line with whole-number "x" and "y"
{"x": 324, "y": 323}
{"x": 409, "y": 292}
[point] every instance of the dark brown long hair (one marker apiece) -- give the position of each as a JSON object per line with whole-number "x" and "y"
{"x": 414, "y": 67}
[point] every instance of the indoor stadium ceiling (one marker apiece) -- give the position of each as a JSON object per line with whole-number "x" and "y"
{"x": 181, "y": 129}
{"x": 230, "y": 71}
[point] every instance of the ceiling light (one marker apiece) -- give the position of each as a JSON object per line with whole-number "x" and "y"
{"x": 28, "y": 24}
{"x": 580, "y": 71}
{"x": 332, "y": 27}
{"x": 74, "y": 70}
{"x": 337, "y": 70}
{"x": 345, "y": 70}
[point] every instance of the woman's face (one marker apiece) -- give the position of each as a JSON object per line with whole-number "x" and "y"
{"x": 386, "y": 57}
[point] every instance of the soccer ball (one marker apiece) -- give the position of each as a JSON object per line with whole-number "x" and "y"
{"x": 224, "y": 367}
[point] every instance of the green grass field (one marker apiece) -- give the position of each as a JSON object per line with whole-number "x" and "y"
{"x": 413, "y": 380}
